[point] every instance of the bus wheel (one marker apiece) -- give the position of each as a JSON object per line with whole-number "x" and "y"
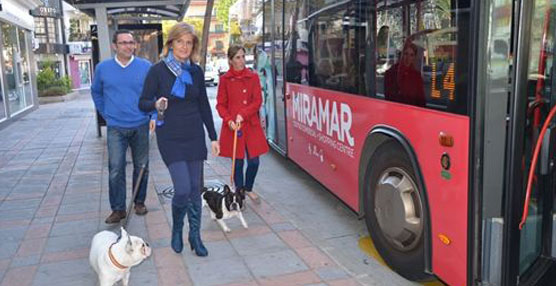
{"x": 394, "y": 211}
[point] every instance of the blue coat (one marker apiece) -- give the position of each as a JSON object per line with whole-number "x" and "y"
{"x": 182, "y": 137}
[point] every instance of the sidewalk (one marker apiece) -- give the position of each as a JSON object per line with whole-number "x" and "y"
{"x": 54, "y": 198}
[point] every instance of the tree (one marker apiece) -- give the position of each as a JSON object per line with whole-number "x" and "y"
{"x": 235, "y": 32}
{"x": 223, "y": 10}
{"x": 195, "y": 22}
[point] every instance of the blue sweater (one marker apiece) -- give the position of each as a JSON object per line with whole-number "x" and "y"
{"x": 116, "y": 92}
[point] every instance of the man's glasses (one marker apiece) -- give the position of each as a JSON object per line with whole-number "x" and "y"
{"x": 125, "y": 43}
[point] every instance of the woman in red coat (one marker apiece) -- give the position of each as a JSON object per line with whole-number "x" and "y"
{"x": 403, "y": 82}
{"x": 238, "y": 102}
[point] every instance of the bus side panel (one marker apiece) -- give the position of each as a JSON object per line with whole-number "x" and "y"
{"x": 326, "y": 133}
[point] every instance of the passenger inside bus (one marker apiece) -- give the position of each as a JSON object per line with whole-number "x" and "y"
{"x": 403, "y": 82}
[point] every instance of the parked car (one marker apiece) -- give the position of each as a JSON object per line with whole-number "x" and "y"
{"x": 222, "y": 66}
{"x": 211, "y": 76}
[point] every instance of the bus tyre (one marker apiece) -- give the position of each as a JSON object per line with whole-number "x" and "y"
{"x": 394, "y": 213}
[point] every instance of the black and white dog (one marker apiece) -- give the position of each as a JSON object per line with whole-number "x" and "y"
{"x": 224, "y": 204}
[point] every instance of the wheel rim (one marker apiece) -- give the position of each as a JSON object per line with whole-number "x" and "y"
{"x": 398, "y": 209}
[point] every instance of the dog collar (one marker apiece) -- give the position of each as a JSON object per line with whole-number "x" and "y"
{"x": 113, "y": 259}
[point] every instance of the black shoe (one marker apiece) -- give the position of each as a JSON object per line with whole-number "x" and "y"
{"x": 115, "y": 217}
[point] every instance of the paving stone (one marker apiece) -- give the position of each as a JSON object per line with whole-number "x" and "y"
{"x": 74, "y": 227}
{"x": 72, "y": 209}
{"x": 252, "y": 245}
{"x": 275, "y": 263}
{"x": 218, "y": 250}
{"x": 8, "y": 249}
{"x": 25, "y": 261}
{"x": 65, "y": 273}
{"x": 17, "y": 214}
{"x": 163, "y": 242}
{"x": 80, "y": 198}
{"x": 293, "y": 279}
{"x": 282, "y": 226}
{"x": 345, "y": 282}
{"x": 220, "y": 271}
{"x": 67, "y": 242}
{"x": 43, "y": 220}
{"x": 20, "y": 204}
{"x": 12, "y": 233}
{"x": 19, "y": 276}
{"x": 144, "y": 274}
{"x": 331, "y": 273}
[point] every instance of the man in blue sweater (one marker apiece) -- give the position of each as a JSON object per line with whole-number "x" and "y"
{"x": 116, "y": 89}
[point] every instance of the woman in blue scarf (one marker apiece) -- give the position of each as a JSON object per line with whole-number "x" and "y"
{"x": 175, "y": 87}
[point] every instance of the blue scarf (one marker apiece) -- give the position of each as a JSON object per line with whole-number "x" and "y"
{"x": 182, "y": 73}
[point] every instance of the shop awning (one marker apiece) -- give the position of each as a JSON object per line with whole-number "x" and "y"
{"x": 136, "y": 10}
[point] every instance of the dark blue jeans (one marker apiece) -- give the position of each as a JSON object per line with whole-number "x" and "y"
{"x": 119, "y": 139}
{"x": 186, "y": 177}
{"x": 250, "y": 174}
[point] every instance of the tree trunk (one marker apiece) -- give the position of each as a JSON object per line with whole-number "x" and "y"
{"x": 206, "y": 28}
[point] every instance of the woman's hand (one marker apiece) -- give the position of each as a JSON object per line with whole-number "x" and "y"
{"x": 239, "y": 118}
{"x": 215, "y": 146}
{"x": 232, "y": 125}
{"x": 161, "y": 104}
{"x": 152, "y": 126}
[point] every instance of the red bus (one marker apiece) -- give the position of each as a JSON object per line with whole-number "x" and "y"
{"x": 426, "y": 117}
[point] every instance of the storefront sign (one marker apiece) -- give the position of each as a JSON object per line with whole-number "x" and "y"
{"x": 50, "y": 8}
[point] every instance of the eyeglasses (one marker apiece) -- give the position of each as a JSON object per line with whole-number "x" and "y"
{"x": 126, "y": 43}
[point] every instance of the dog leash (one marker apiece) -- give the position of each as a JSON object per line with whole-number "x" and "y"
{"x": 135, "y": 189}
{"x": 234, "y": 155}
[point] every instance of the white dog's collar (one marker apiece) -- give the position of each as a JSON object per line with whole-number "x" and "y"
{"x": 113, "y": 259}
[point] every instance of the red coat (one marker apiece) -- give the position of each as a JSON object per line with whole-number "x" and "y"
{"x": 240, "y": 93}
{"x": 404, "y": 84}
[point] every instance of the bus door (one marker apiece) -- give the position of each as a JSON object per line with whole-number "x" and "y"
{"x": 273, "y": 88}
{"x": 528, "y": 251}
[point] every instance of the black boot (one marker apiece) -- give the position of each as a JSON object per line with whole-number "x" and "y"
{"x": 178, "y": 214}
{"x": 194, "y": 217}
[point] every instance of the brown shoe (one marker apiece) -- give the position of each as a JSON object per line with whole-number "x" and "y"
{"x": 141, "y": 209}
{"x": 254, "y": 197}
{"x": 115, "y": 217}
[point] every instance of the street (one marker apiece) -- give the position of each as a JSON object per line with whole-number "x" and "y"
{"x": 54, "y": 198}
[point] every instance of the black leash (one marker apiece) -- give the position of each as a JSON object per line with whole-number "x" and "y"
{"x": 135, "y": 191}
{"x": 136, "y": 188}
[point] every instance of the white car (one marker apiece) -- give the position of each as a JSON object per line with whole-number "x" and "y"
{"x": 211, "y": 76}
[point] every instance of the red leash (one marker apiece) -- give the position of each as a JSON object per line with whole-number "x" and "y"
{"x": 234, "y": 155}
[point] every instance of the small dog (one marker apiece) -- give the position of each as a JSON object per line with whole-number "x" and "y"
{"x": 224, "y": 204}
{"x": 112, "y": 257}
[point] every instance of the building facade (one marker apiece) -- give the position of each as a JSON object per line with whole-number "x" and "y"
{"x": 18, "y": 88}
{"x": 218, "y": 37}
{"x": 78, "y": 34}
{"x": 51, "y": 49}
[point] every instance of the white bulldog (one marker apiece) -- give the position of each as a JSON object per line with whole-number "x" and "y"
{"x": 112, "y": 257}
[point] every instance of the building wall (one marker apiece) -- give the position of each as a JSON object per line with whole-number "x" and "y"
{"x": 16, "y": 12}
{"x": 18, "y": 83}
{"x": 197, "y": 10}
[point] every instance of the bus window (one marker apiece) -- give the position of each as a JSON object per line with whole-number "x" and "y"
{"x": 389, "y": 44}
{"x": 420, "y": 54}
{"x": 336, "y": 45}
